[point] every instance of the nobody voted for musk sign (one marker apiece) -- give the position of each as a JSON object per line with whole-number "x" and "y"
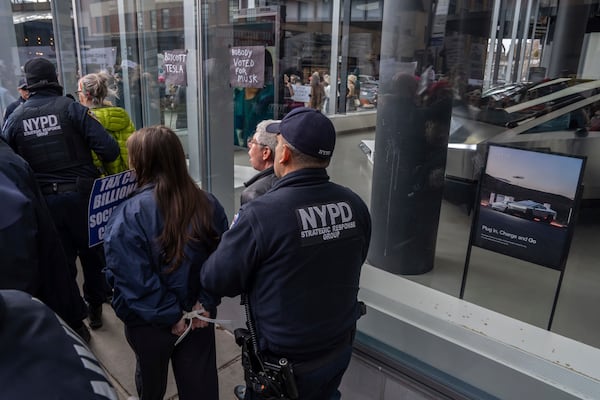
{"x": 247, "y": 66}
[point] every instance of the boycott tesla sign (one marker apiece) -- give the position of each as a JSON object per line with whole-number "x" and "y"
{"x": 174, "y": 66}
{"x": 526, "y": 204}
{"x": 107, "y": 194}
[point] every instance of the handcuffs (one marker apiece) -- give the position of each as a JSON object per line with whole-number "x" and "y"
{"x": 189, "y": 315}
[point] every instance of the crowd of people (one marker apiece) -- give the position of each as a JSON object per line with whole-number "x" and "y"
{"x": 318, "y": 95}
{"x": 169, "y": 253}
{"x": 314, "y": 90}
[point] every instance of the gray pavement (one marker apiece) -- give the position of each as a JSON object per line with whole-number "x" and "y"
{"x": 112, "y": 350}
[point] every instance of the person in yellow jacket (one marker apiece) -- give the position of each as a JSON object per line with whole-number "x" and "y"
{"x": 94, "y": 91}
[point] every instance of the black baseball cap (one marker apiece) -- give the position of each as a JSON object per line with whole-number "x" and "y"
{"x": 22, "y": 84}
{"x": 308, "y": 130}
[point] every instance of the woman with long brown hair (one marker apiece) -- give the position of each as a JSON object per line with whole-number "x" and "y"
{"x": 155, "y": 243}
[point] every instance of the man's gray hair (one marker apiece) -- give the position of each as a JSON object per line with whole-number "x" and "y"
{"x": 265, "y": 138}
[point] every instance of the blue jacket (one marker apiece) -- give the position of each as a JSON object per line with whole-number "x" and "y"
{"x": 143, "y": 294}
{"x": 297, "y": 251}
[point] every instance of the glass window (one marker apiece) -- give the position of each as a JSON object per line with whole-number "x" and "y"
{"x": 150, "y": 67}
{"x": 166, "y": 18}
{"x": 421, "y": 91}
{"x": 153, "y": 21}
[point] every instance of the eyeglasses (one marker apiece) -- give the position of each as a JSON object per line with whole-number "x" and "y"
{"x": 252, "y": 141}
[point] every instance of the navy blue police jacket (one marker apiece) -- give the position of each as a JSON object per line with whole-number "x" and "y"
{"x": 76, "y": 162}
{"x": 32, "y": 258}
{"x": 297, "y": 252}
{"x": 144, "y": 293}
{"x": 42, "y": 358}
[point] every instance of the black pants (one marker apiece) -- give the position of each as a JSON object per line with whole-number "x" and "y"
{"x": 95, "y": 287}
{"x": 69, "y": 211}
{"x": 193, "y": 360}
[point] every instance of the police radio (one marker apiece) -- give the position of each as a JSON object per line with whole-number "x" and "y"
{"x": 272, "y": 379}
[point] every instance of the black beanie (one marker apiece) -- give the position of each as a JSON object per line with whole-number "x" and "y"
{"x": 39, "y": 72}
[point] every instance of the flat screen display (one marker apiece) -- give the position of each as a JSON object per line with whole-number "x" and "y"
{"x": 527, "y": 204}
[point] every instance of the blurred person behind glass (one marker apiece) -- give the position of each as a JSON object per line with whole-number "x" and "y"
{"x": 317, "y": 92}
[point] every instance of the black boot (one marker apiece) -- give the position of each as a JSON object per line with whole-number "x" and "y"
{"x": 95, "y": 316}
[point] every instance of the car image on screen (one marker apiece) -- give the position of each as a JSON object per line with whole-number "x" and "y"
{"x": 499, "y": 206}
{"x": 529, "y": 209}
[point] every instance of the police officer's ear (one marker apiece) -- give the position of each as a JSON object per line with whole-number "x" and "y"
{"x": 285, "y": 155}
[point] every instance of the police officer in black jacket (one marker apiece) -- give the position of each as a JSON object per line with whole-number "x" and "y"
{"x": 41, "y": 358}
{"x": 55, "y": 135}
{"x": 297, "y": 252}
{"x": 31, "y": 255}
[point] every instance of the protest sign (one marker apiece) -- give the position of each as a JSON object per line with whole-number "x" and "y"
{"x": 247, "y": 68}
{"x": 174, "y": 67}
{"x": 106, "y": 195}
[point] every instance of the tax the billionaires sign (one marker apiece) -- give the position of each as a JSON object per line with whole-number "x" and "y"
{"x": 107, "y": 194}
{"x": 247, "y": 68}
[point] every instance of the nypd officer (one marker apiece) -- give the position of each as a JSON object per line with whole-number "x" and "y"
{"x": 296, "y": 252}
{"x": 51, "y": 362}
{"x": 55, "y": 135}
{"x": 31, "y": 255}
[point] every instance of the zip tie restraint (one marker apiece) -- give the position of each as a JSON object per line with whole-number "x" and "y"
{"x": 198, "y": 314}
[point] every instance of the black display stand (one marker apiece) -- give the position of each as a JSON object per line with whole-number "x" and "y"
{"x": 513, "y": 214}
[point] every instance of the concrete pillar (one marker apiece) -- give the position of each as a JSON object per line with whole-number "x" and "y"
{"x": 413, "y": 120}
{"x": 569, "y": 31}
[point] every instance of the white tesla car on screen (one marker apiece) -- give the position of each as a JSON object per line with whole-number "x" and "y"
{"x": 530, "y": 209}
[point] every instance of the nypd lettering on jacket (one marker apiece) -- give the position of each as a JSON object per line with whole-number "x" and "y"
{"x": 41, "y": 126}
{"x": 326, "y": 222}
